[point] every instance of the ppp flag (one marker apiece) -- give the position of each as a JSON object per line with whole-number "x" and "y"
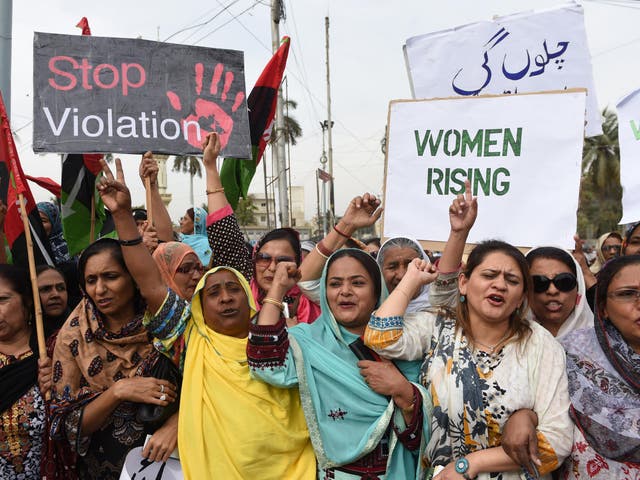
{"x": 13, "y": 183}
{"x": 79, "y": 175}
{"x": 236, "y": 174}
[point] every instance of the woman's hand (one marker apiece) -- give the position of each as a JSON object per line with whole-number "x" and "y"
{"x": 163, "y": 442}
{"x": 286, "y": 276}
{"x": 589, "y": 278}
{"x": 44, "y": 375}
{"x": 149, "y": 236}
{"x": 362, "y": 212}
{"x": 114, "y": 191}
{"x": 383, "y": 377}
{"x": 520, "y": 439}
{"x": 210, "y": 150}
{"x": 145, "y": 390}
{"x": 463, "y": 210}
{"x": 148, "y": 168}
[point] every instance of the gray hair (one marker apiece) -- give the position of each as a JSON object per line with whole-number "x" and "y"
{"x": 398, "y": 242}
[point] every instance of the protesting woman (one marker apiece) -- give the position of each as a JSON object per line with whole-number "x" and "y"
{"x": 603, "y": 364}
{"x": 394, "y": 257}
{"x": 193, "y": 229}
{"x": 559, "y": 300}
{"x": 608, "y": 246}
{"x": 483, "y": 360}
{"x": 101, "y": 364}
{"x": 230, "y": 426}
{"x": 22, "y": 410}
{"x": 180, "y": 267}
{"x": 365, "y": 417}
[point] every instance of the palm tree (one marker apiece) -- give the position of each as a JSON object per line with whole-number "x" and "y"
{"x": 600, "y": 191}
{"x": 188, "y": 164}
{"x": 292, "y": 129}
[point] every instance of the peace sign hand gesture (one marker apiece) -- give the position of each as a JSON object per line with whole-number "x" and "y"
{"x": 463, "y": 210}
{"x": 114, "y": 191}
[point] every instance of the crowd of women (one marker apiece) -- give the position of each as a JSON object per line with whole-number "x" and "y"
{"x": 273, "y": 362}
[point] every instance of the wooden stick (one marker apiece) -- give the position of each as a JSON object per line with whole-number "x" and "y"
{"x": 92, "y": 231}
{"x": 147, "y": 187}
{"x": 42, "y": 346}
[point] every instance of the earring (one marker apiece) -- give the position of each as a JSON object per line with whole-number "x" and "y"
{"x": 463, "y": 298}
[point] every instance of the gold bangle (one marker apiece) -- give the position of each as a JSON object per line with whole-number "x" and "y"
{"x": 273, "y": 301}
{"x": 215, "y": 190}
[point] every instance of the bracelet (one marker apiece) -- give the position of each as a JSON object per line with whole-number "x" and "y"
{"x": 342, "y": 234}
{"x": 322, "y": 250}
{"x": 321, "y": 254}
{"x": 273, "y": 301}
{"x": 130, "y": 243}
{"x": 215, "y": 190}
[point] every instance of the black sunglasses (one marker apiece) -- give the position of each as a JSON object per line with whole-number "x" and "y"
{"x": 264, "y": 259}
{"x": 565, "y": 282}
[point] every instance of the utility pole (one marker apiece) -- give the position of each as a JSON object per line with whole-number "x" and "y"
{"x": 277, "y": 13}
{"x": 6, "y": 15}
{"x": 329, "y": 128}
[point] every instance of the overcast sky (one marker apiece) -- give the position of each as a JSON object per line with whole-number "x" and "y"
{"x": 367, "y": 67}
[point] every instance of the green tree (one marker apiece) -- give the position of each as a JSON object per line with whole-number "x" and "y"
{"x": 292, "y": 129}
{"x": 600, "y": 206}
{"x": 246, "y": 211}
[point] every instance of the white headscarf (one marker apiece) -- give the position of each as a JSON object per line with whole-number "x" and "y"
{"x": 581, "y": 316}
{"x": 421, "y": 302}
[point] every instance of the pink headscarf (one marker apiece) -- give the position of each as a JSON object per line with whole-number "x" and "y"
{"x": 168, "y": 256}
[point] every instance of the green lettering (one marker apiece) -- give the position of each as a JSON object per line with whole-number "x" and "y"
{"x": 472, "y": 144}
{"x": 504, "y": 184}
{"x": 455, "y": 180}
{"x": 483, "y": 183}
{"x": 431, "y": 180}
{"x": 432, "y": 147}
{"x": 488, "y": 142}
{"x": 421, "y": 144}
{"x": 446, "y": 148}
{"x": 636, "y": 130}
{"x": 514, "y": 143}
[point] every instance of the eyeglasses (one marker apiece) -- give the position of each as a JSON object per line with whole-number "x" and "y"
{"x": 626, "y": 295}
{"x": 190, "y": 268}
{"x": 565, "y": 282}
{"x": 264, "y": 259}
{"x": 609, "y": 248}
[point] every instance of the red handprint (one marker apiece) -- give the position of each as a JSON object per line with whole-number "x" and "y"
{"x": 209, "y": 113}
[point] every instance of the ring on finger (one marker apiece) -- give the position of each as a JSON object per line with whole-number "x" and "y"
{"x": 161, "y": 388}
{"x": 163, "y": 397}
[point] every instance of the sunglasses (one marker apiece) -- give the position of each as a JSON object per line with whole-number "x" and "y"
{"x": 626, "y": 295}
{"x": 264, "y": 259}
{"x": 189, "y": 268}
{"x": 565, "y": 282}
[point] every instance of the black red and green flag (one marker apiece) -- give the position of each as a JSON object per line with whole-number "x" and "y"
{"x": 13, "y": 183}
{"x": 79, "y": 176}
{"x": 236, "y": 174}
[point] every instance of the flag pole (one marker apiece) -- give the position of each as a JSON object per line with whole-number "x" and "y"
{"x": 92, "y": 231}
{"x": 147, "y": 187}
{"x": 42, "y": 347}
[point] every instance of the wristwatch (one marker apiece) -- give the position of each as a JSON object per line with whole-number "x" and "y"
{"x": 462, "y": 466}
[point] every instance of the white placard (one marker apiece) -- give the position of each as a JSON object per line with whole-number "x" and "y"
{"x": 138, "y": 468}
{"x": 520, "y": 53}
{"x": 523, "y": 152}
{"x": 629, "y": 138}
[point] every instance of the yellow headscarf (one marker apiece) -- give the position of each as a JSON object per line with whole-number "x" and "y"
{"x": 231, "y": 426}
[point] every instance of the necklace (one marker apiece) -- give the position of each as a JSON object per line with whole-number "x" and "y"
{"x": 493, "y": 347}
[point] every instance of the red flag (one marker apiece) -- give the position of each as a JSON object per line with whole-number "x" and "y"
{"x": 236, "y": 174}
{"x": 13, "y": 183}
{"x": 46, "y": 183}
{"x": 324, "y": 176}
{"x": 84, "y": 25}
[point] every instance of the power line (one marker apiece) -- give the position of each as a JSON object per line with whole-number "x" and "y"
{"x": 234, "y": 17}
{"x": 202, "y": 24}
